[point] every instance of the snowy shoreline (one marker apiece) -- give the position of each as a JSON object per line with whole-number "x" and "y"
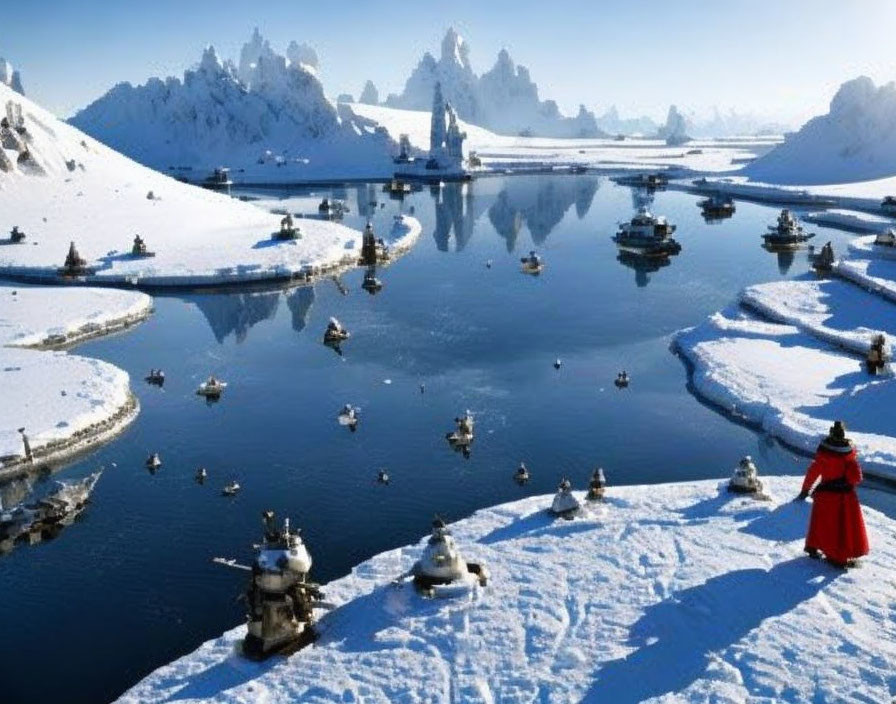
{"x": 67, "y": 404}
{"x": 693, "y": 593}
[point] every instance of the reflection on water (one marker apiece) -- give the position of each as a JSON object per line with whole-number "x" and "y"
{"x": 643, "y": 265}
{"x": 477, "y": 338}
{"x": 237, "y": 313}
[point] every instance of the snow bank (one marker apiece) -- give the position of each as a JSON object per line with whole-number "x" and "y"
{"x": 65, "y": 402}
{"x": 101, "y": 200}
{"x": 680, "y": 591}
{"x": 854, "y": 141}
{"x": 792, "y": 385}
{"x": 831, "y": 310}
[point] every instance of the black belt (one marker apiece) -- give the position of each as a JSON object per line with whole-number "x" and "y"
{"x": 837, "y": 486}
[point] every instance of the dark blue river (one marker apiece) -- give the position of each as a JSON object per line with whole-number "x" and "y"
{"x": 131, "y": 585}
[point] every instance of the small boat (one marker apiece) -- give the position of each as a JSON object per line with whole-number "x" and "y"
{"x": 787, "y": 233}
{"x": 649, "y": 181}
{"x": 348, "y": 416}
{"x": 823, "y": 260}
{"x": 621, "y": 380}
{"x": 521, "y": 475}
{"x": 532, "y": 264}
{"x": 371, "y": 284}
{"x": 746, "y": 478}
{"x": 153, "y": 461}
{"x": 16, "y": 236}
{"x": 647, "y": 235}
{"x": 382, "y": 477}
{"x": 717, "y": 206}
{"x": 201, "y": 475}
{"x": 463, "y": 433}
{"x": 886, "y": 239}
{"x": 231, "y": 489}
{"x": 335, "y": 333}
{"x": 218, "y": 180}
{"x": 155, "y": 377}
{"x": 212, "y": 388}
{"x": 557, "y": 363}
{"x": 332, "y": 208}
{"x": 397, "y": 187}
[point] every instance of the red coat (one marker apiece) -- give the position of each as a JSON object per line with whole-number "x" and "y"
{"x": 836, "y": 527}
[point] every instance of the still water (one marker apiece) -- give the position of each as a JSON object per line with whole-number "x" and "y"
{"x": 131, "y": 585}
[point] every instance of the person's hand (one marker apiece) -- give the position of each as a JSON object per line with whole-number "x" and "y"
{"x": 802, "y": 496}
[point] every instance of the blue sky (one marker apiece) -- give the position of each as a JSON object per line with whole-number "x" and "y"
{"x": 781, "y": 58}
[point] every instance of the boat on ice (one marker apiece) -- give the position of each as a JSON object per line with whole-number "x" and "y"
{"x": 745, "y": 479}
{"x": 787, "y": 233}
{"x": 565, "y": 504}
{"x": 211, "y": 388}
{"x": 442, "y": 571}
{"x": 647, "y": 235}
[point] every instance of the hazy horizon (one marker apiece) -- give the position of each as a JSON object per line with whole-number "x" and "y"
{"x": 777, "y": 61}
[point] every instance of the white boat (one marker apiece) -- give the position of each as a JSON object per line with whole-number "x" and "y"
{"x": 787, "y": 233}
{"x": 213, "y": 388}
{"x": 231, "y": 489}
{"x": 335, "y": 333}
{"x": 348, "y": 416}
{"x": 647, "y": 234}
{"x": 153, "y": 461}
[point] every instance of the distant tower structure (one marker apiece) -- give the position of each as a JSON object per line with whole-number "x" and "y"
{"x": 445, "y": 137}
{"x": 437, "y": 132}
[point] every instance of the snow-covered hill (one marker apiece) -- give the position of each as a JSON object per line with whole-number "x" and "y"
{"x": 674, "y": 593}
{"x": 58, "y": 185}
{"x": 504, "y": 99}
{"x": 854, "y": 141}
{"x": 267, "y": 116}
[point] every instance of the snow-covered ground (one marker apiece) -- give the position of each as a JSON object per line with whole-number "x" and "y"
{"x": 75, "y": 189}
{"x": 65, "y": 402}
{"x": 677, "y": 592}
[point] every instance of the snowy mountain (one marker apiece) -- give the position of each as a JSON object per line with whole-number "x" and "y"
{"x": 504, "y": 99}
{"x": 611, "y": 123}
{"x": 369, "y": 94}
{"x": 854, "y": 141}
{"x": 267, "y": 111}
{"x": 676, "y": 129}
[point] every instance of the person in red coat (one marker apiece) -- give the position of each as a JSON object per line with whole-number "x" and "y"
{"x": 836, "y": 528}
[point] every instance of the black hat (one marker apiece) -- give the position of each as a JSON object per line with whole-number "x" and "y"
{"x": 836, "y": 439}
